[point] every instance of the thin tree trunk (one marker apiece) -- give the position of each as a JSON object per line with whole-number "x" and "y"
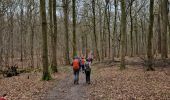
{"x": 123, "y": 33}
{"x": 66, "y": 13}
{"x": 136, "y": 30}
{"x": 46, "y": 74}
{"x": 100, "y": 30}
{"x": 114, "y": 30}
{"x": 108, "y": 21}
{"x": 54, "y": 38}
{"x": 131, "y": 29}
{"x": 21, "y": 31}
{"x": 94, "y": 30}
{"x": 32, "y": 46}
{"x": 159, "y": 33}
{"x": 164, "y": 17}
{"x": 150, "y": 37}
{"x": 74, "y": 28}
{"x": 104, "y": 43}
{"x": 86, "y": 45}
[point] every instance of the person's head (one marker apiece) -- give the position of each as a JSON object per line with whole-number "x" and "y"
{"x": 75, "y": 57}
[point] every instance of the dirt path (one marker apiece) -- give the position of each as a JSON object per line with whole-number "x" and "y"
{"x": 66, "y": 90}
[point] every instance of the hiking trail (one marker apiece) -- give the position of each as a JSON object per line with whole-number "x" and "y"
{"x": 66, "y": 90}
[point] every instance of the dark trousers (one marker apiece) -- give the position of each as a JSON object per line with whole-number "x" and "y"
{"x": 76, "y": 76}
{"x": 88, "y": 72}
{"x": 82, "y": 67}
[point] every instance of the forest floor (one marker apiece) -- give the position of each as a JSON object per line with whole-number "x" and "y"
{"x": 107, "y": 83}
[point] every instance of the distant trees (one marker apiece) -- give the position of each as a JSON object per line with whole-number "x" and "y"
{"x": 94, "y": 26}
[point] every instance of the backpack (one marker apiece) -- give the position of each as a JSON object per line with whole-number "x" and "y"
{"x": 2, "y": 98}
{"x": 87, "y": 66}
{"x": 83, "y": 61}
{"x": 75, "y": 64}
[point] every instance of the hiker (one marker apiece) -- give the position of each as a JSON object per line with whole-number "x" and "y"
{"x": 89, "y": 60}
{"x": 83, "y": 60}
{"x": 3, "y": 97}
{"x": 87, "y": 71}
{"x": 76, "y": 68}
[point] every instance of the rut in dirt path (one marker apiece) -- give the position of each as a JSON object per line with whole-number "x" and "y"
{"x": 66, "y": 90}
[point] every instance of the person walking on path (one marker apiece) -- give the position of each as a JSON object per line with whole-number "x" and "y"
{"x": 87, "y": 71}
{"x": 76, "y": 68}
{"x": 83, "y": 60}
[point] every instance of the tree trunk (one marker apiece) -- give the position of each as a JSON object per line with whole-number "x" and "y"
{"x": 123, "y": 33}
{"x": 159, "y": 33}
{"x": 66, "y": 17}
{"x": 136, "y": 30}
{"x": 46, "y": 74}
{"x": 94, "y": 30}
{"x": 54, "y": 37}
{"x": 114, "y": 30}
{"x": 131, "y": 29}
{"x": 164, "y": 18}
{"x": 74, "y": 28}
{"x": 21, "y": 31}
{"x": 100, "y": 30}
{"x": 150, "y": 37}
{"x": 32, "y": 46}
{"x": 108, "y": 21}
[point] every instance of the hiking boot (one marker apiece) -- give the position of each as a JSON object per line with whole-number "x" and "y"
{"x": 74, "y": 81}
{"x": 88, "y": 82}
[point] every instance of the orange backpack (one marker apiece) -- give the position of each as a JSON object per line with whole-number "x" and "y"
{"x": 75, "y": 64}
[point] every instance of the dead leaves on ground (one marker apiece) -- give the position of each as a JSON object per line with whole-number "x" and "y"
{"x": 22, "y": 88}
{"x": 131, "y": 84}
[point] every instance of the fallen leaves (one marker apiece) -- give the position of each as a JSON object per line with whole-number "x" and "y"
{"x": 109, "y": 83}
{"x": 22, "y": 88}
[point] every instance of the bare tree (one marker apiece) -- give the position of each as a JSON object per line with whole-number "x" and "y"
{"x": 123, "y": 33}
{"x": 164, "y": 20}
{"x": 94, "y": 29}
{"x": 74, "y": 28}
{"x": 46, "y": 74}
{"x": 66, "y": 17}
{"x": 54, "y": 39}
{"x": 150, "y": 37}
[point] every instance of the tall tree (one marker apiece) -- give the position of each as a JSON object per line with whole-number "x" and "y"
{"x": 21, "y": 28}
{"x": 136, "y": 29}
{"x": 46, "y": 74}
{"x": 66, "y": 17}
{"x": 100, "y": 29}
{"x": 54, "y": 37}
{"x": 150, "y": 37}
{"x": 74, "y": 28}
{"x": 107, "y": 13}
{"x": 123, "y": 33}
{"x": 32, "y": 27}
{"x": 94, "y": 29}
{"x": 159, "y": 28}
{"x": 115, "y": 29}
{"x": 164, "y": 20}
{"x": 131, "y": 28}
